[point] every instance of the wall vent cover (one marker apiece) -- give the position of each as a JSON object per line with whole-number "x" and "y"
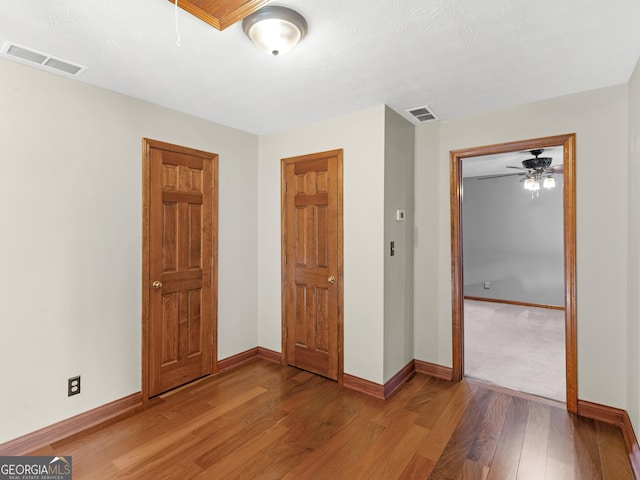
{"x": 45, "y": 61}
{"x": 422, "y": 114}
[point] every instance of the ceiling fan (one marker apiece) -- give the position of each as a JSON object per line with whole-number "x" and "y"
{"x": 534, "y": 170}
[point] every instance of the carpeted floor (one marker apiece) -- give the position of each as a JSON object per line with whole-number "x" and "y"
{"x": 521, "y": 348}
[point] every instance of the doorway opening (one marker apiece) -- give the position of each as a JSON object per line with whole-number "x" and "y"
{"x": 567, "y": 143}
{"x": 513, "y": 271}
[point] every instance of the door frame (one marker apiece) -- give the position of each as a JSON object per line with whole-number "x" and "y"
{"x": 340, "y": 254}
{"x": 147, "y": 145}
{"x": 568, "y": 142}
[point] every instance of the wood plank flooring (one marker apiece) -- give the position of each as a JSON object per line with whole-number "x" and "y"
{"x": 267, "y": 421}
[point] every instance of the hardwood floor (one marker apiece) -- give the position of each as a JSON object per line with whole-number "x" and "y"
{"x": 263, "y": 420}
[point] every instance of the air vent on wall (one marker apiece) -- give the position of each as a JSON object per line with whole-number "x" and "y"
{"x": 38, "y": 59}
{"x": 422, "y": 114}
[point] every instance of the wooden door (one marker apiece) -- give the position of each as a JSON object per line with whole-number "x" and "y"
{"x": 179, "y": 277}
{"x": 312, "y": 262}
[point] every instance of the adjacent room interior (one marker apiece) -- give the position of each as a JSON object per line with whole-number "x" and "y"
{"x": 514, "y": 271}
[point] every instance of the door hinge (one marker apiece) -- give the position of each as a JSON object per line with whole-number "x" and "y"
{"x": 285, "y": 187}
{"x": 285, "y": 258}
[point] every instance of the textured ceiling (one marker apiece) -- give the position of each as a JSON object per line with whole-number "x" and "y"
{"x": 460, "y": 57}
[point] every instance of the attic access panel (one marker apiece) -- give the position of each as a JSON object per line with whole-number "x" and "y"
{"x": 220, "y": 13}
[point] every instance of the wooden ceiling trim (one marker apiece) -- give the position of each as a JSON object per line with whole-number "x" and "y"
{"x": 221, "y": 13}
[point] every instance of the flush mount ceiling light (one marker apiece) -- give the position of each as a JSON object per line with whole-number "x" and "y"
{"x": 275, "y": 30}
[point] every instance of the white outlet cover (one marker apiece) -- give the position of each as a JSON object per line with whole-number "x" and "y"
{"x": 400, "y": 214}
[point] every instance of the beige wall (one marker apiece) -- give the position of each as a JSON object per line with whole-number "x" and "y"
{"x": 361, "y": 135}
{"x": 599, "y": 118}
{"x": 70, "y": 247}
{"x": 399, "y": 139}
{"x": 633, "y": 334}
{"x": 378, "y": 293}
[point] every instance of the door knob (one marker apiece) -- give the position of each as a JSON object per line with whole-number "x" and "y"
{"x": 157, "y": 284}
{"x": 331, "y": 279}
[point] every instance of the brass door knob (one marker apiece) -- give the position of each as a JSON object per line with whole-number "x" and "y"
{"x": 157, "y": 284}
{"x": 331, "y": 279}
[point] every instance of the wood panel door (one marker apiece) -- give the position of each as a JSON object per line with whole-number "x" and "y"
{"x": 179, "y": 277}
{"x": 312, "y": 262}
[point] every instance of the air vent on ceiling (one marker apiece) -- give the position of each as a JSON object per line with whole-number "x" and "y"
{"x": 422, "y": 114}
{"x": 38, "y": 59}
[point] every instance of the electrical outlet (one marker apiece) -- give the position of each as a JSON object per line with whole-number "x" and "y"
{"x": 73, "y": 386}
{"x": 487, "y": 285}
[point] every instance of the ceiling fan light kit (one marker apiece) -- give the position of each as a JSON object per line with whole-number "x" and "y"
{"x": 535, "y": 170}
{"x": 549, "y": 183}
{"x": 531, "y": 184}
{"x": 275, "y": 30}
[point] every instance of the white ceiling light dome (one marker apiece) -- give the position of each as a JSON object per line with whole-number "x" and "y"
{"x": 274, "y": 29}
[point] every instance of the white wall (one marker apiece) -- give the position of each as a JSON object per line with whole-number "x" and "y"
{"x": 71, "y": 247}
{"x": 599, "y": 118}
{"x": 361, "y": 135}
{"x": 398, "y": 270}
{"x": 513, "y": 240}
{"x": 633, "y": 333}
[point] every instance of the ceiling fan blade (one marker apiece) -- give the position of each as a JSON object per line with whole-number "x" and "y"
{"x": 486, "y": 177}
{"x": 555, "y": 169}
{"x": 518, "y": 168}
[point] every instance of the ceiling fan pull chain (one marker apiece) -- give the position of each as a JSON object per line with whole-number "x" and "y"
{"x": 175, "y": 12}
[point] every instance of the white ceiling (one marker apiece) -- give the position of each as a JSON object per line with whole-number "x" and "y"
{"x": 460, "y": 57}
